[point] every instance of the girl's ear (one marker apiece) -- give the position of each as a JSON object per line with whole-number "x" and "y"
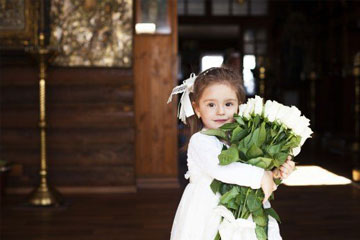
{"x": 196, "y": 109}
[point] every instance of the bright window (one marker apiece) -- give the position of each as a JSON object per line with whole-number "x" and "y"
{"x": 249, "y": 62}
{"x": 209, "y": 61}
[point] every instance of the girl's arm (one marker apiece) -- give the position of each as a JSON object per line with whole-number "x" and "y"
{"x": 204, "y": 150}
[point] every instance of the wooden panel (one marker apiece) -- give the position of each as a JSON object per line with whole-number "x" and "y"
{"x": 68, "y": 115}
{"x": 93, "y": 155}
{"x": 59, "y": 139}
{"x": 20, "y": 76}
{"x": 156, "y": 125}
{"x": 68, "y": 94}
{"x": 90, "y": 118}
{"x": 78, "y": 176}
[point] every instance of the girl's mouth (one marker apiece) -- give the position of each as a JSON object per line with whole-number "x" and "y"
{"x": 221, "y": 120}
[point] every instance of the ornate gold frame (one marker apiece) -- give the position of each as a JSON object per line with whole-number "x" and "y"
{"x": 15, "y": 38}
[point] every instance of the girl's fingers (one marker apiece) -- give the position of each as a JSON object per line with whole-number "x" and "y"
{"x": 266, "y": 197}
{"x": 276, "y": 173}
{"x": 286, "y": 168}
{"x": 291, "y": 163}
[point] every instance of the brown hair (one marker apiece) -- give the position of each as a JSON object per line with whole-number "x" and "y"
{"x": 208, "y": 77}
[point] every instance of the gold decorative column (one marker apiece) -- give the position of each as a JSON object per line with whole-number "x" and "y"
{"x": 356, "y": 143}
{"x": 43, "y": 195}
{"x": 262, "y": 75}
{"x": 262, "y": 81}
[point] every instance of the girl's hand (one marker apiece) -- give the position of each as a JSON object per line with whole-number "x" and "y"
{"x": 267, "y": 185}
{"x": 286, "y": 169}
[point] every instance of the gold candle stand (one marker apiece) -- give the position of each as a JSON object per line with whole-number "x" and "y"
{"x": 262, "y": 81}
{"x": 43, "y": 194}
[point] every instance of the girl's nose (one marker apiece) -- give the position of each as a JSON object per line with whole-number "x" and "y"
{"x": 220, "y": 110}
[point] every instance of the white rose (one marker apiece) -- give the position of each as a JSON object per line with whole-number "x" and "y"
{"x": 258, "y": 105}
{"x": 296, "y": 151}
{"x": 300, "y": 125}
{"x": 293, "y": 117}
{"x": 249, "y": 108}
{"x": 282, "y": 114}
{"x": 270, "y": 110}
{"x": 242, "y": 109}
{"x": 305, "y": 135}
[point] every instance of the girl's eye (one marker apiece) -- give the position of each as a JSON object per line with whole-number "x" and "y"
{"x": 229, "y": 104}
{"x": 211, "y": 105}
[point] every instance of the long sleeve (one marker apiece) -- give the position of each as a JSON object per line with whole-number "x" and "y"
{"x": 203, "y": 150}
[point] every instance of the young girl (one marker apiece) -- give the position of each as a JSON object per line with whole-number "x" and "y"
{"x": 215, "y": 96}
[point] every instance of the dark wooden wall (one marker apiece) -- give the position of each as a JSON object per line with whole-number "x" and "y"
{"x": 109, "y": 129}
{"x": 90, "y": 119}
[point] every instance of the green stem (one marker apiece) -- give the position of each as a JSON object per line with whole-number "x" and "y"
{"x": 277, "y": 135}
{"x": 242, "y": 209}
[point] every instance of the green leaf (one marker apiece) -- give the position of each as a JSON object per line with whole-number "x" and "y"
{"x": 254, "y": 137}
{"x": 252, "y": 202}
{"x": 273, "y": 132}
{"x": 277, "y": 181}
{"x": 244, "y": 190}
{"x": 254, "y": 152}
{"x": 239, "y": 120}
{"x": 242, "y": 154}
{"x": 256, "y": 120}
{"x": 245, "y": 213}
{"x": 215, "y": 186}
{"x": 281, "y": 137}
{"x": 217, "y": 237}
{"x": 272, "y": 197}
{"x": 240, "y": 198}
{"x": 216, "y": 132}
{"x": 246, "y": 142}
{"x": 238, "y": 134}
{"x": 280, "y": 158}
{"x": 272, "y": 212}
{"x": 258, "y": 212}
{"x": 260, "y": 233}
{"x": 229, "y": 126}
{"x": 225, "y": 188}
{"x": 228, "y": 156}
{"x": 293, "y": 142}
{"x": 273, "y": 149}
{"x": 228, "y": 196}
{"x": 261, "y": 220}
{"x": 262, "y": 135}
{"x": 232, "y": 204}
{"x": 262, "y": 162}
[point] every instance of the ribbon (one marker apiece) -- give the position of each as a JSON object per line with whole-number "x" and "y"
{"x": 185, "y": 108}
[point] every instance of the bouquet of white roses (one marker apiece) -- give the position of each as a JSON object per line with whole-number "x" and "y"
{"x": 263, "y": 135}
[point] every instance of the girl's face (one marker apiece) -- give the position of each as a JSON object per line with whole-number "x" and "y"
{"x": 217, "y": 105}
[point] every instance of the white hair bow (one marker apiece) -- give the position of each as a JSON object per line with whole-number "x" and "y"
{"x": 185, "y": 108}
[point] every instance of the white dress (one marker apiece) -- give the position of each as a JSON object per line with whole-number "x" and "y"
{"x": 198, "y": 215}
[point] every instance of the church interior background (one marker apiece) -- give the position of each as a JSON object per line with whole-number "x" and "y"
{"x": 89, "y": 148}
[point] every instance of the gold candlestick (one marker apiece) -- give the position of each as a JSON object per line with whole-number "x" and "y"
{"x": 262, "y": 81}
{"x": 43, "y": 194}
